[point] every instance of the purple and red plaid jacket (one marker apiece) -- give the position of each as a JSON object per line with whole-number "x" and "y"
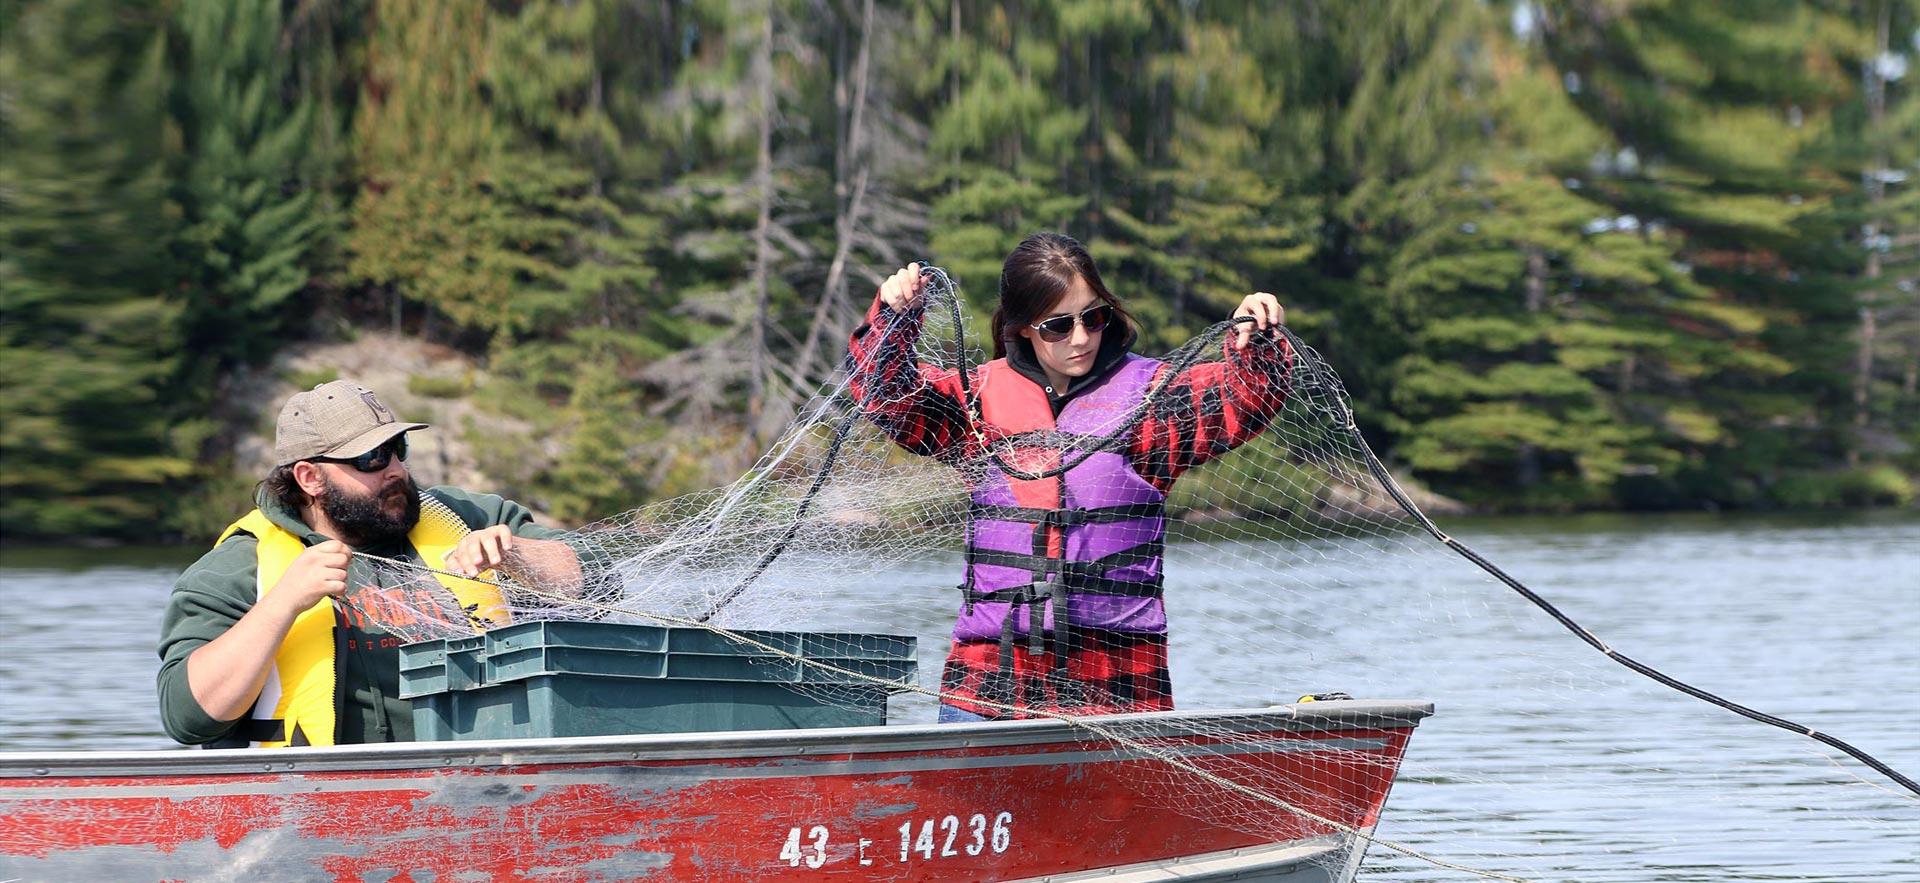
{"x": 1204, "y": 412}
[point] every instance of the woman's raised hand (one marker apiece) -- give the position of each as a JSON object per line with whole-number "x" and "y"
{"x": 901, "y": 291}
{"x": 1266, "y": 312}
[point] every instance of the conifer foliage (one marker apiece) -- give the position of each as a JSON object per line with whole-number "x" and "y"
{"x": 1567, "y": 254}
{"x": 249, "y": 219}
{"x": 90, "y": 325}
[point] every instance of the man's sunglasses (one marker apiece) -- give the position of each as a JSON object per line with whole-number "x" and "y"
{"x": 376, "y": 459}
{"x": 1059, "y": 328}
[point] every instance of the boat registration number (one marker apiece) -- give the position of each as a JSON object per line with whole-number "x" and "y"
{"x": 928, "y": 839}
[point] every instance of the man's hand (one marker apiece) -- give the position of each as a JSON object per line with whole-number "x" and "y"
{"x": 226, "y": 673}
{"x": 1266, "y": 312}
{"x": 481, "y": 551}
{"x": 550, "y": 566}
{"x": 901, "y": 291}
{"x": 319, "y": 572}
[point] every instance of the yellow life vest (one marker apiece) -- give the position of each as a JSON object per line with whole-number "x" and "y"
{"x": 301, "y": 692}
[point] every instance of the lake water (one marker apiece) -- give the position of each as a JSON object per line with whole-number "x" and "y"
{"x": 1543, "y": 760}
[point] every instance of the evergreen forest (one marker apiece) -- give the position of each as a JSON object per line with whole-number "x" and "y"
{"x": 1566, "y": 254}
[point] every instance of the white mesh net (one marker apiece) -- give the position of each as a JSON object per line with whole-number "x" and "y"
{"x": 1289, "y": 568}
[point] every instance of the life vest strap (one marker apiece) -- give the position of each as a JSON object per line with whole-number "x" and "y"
{"x": 1029, "y": 598}
{"x": 1066, "y": 517}
{"x": 1071, "y": 585}
{"x": 255, "y": 730}
{"x": 1083, "y": 577}
{"x": 1075, "y": 573}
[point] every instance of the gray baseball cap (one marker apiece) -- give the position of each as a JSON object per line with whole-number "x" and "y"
{"x": 339, "y": 420}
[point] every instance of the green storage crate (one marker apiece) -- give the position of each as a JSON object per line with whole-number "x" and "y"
{"x": 542, "y": 679}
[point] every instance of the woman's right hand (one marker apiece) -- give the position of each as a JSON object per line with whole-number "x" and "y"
{"x": 901, "y": 292}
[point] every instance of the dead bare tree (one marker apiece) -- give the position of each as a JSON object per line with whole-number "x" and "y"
{"x": 850, "y": 158}
{"x": 1876, "y": 95}
{"x": 762, "y": 235}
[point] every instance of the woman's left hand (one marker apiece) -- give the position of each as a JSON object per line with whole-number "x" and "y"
{"x": 1266, "y": 312}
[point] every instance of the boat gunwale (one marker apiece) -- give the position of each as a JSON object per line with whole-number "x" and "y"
{"x": 1312, "y": 717}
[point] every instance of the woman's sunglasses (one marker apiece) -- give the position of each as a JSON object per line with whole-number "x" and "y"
{"x": 376, "y": 459}
{"x": 1059, "y": 328}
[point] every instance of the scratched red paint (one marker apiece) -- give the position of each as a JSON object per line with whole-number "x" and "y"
{"x": 717, "y": 819}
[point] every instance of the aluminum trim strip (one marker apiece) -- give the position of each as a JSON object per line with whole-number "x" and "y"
{"x": 644, "y": 776}
{"x": 1315, "y": 717}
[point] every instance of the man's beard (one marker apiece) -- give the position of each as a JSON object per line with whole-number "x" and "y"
{"x": 365, "y": 519}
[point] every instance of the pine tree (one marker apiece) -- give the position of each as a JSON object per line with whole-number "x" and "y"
{"x": 1375, "y": 130}
{"x": 429, "y": 224}
{"x": 1719, "y": 113}
{"x": 596, "y": 475}
{"x": 1881, "y": 146}
{"x": 89, "y": 341}
{"x": 1575, "y": 337}
{"x": 999, "y": 135}
{"x": 585, "y": 252}
{"x": 1196, "y": 210}
{"x": 325, "y": 43}
{"x": 1537, "y": 308}
{"x": 243, "y": 182}
{"x": 588, "y": 286}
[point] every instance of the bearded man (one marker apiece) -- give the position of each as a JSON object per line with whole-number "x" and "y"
{"x": 261, "y": 644}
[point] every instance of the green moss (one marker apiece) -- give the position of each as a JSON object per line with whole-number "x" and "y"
{"x": 1877, "y": 485}
{"x": 435, "y": 386}
{"x": 311, "y": 377}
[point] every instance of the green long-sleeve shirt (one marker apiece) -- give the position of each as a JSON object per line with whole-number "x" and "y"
{"x": 221, "y": 587}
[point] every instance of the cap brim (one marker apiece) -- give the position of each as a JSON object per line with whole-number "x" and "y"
{"x": 372, "y": 438}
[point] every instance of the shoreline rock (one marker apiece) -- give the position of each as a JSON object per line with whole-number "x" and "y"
{"x": 395, "y": 366}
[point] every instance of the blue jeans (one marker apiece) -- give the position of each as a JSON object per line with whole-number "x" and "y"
{"x": 952, "y": 715}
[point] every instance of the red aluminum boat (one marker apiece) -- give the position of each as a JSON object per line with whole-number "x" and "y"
{"x": 988, "y": 801}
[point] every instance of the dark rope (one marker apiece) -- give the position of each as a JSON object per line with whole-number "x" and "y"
{"x": 799, "y": 518}
{"x": 1345, "y": 415}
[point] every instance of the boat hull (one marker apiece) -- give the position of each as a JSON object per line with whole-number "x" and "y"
{"x": 993, "y": 801}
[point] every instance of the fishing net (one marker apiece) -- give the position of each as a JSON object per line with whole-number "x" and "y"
{"x": 1289, "y": 568}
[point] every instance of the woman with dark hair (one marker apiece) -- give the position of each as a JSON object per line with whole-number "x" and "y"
{"x": 1061, "y": 609}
